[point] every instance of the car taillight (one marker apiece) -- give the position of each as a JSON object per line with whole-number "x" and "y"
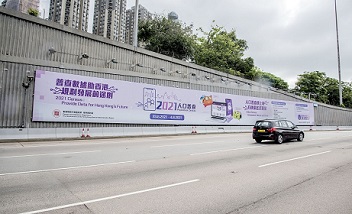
{"x": 254, "y": 129}
{"x": 271, "y": 130}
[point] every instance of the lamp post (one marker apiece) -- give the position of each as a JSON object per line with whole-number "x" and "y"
{"x": 338, "y": 55}
{"x": 135, "y": 27}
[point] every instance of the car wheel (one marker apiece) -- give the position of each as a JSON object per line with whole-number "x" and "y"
{"x": 258, "y": 140}
{"x": 300, "y": 137}
{"x": 279, "y": 139}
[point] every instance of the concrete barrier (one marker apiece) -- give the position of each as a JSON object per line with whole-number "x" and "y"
{"x": 14, "y": 133}
{"x": 111, "y": 132}
{"x": 326, "y": 128}
{"x": 61, "y": 132}
{"x": 183, "y": 129}
{"x": 151, "y": 131}
{"x": 133, "y": 131}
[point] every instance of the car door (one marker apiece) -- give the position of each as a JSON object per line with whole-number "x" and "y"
{"x": 285, "y": 130}
{"x": 294, "y": 130}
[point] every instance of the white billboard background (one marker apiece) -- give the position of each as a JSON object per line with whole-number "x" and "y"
{"x": 61, "y": 97}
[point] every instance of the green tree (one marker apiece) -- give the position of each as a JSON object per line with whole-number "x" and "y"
{"x": 313, "y": 84}
{"x": 167, "y": 37}
{"x": 3, "y": 3}
{"x": 332, "y": 91}
{"x": 324, "y": 89}
{"x": 33, "y": 12}
{"x": 347, "y": 94}
{"x": 223, "y": 51}
{"x": 257, "y": 75}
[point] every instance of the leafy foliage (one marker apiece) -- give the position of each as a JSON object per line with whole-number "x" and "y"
{"x": 3, "y": 3}
{"x": 33, "y": 12}
{"x": 309, "y": 81}
{"x": 217, "y": 49}
{"x": 332, "y": 91}
{"x": 257, "y": 75}
{"x": 167, "y": 37}
{"x": 313, "y": 83}
{"x": 347, "y": 94}
{"x": 223, "y": 51}
{"x": 324, "y": 89}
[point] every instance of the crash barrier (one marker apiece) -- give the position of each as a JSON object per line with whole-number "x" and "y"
{"x": 8, "y": 135}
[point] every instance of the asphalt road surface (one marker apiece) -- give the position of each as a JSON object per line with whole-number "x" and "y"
{"x": 217, "y": 173}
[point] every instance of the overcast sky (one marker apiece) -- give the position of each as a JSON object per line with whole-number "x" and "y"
{"x": 285, "y": 37}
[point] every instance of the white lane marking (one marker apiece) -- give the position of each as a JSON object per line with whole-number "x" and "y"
{"x": 226, "y": 150}
{"x": 66, "y": 168}
{"x": 283, "y": 161}
{"x": 48, "y": 154}
{"x": 111, "y": 197}
{"x": 189, "y": 144}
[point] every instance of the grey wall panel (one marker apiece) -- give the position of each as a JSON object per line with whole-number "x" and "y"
{"x": 25, "y": 44}
{"x": 12, "y": 95}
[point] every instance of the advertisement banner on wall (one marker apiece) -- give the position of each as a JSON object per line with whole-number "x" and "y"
{"x": 61, "y": 97}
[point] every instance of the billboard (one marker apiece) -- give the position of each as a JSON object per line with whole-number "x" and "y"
{"x": 62, "y": 97}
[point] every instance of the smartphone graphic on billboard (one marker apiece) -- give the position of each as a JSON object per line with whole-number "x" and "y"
{"x": 149, "y": 99}
{"x": 229, "y": 108}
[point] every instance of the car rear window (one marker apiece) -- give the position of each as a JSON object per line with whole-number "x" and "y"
{"x": 263, "y": 124}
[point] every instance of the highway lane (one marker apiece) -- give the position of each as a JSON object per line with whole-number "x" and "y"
{"x": 222, "y": 173}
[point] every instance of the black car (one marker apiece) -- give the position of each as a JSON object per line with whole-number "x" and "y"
{"x": 278, "y": 130}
